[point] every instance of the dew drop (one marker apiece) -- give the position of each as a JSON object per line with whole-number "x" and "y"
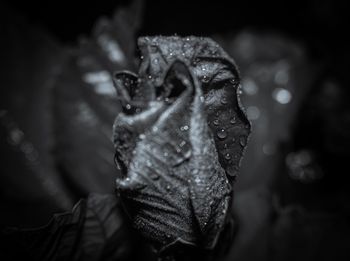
{"x": 233, "y": 120}
{"x": 232, "y": 171}
{"x": 223, "y": 100}
{"x": 182, "y": 143}
{"x": 154, "y": 176}
{"x": 227, "y": 156}
{"x": 216, "y": 122}
{"x": 222, "y": 134}
{"x": 128, "y": 106}
{"x": 184, "y": 128}
{"x": 148, "y": 163}
{"x": 242, "y": 141}
{"x": 168, "y": 187}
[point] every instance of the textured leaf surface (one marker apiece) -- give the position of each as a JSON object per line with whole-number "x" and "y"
{"x": 176, "y": 141}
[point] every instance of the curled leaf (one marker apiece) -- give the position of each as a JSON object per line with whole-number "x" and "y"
{"x": 177, "y": 175}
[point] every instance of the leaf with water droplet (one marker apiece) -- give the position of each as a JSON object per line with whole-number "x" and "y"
{"x": 188, "y": 154}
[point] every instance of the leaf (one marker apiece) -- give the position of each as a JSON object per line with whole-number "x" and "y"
{"x": 219, "y": 80}
{"x": 94, "y": 230}
{"x": 84, "y": 102}
{"x": 181, "y": 149}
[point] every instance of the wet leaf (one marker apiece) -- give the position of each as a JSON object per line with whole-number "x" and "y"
{"x": 177, "y": 167}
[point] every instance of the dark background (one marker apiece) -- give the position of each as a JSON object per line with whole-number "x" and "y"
{"x": 321, "y": 24}
{"x": 279, "y": 216}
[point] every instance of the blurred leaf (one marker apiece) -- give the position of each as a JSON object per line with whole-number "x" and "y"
{"x": 94, "y": 230}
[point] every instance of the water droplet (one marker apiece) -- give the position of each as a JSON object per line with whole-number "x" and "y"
{"x": 128, "y": 106}
{"x": 155, "y": 128}
{"x": 182, "y": 143}
{"x": 216, "y": 122}
{"x": 184, "y": 128}
{"x": 223, "y": 100}
{"x": 149, "y": 76}
{"x": 205, "y": 78}
{"x": 154, "y": 176}
{"x": 233, "y": 120}
{"x": 142, "y": 136}
{"x": 232, "y": 171}
{"x": 156, "y": 61}
{"x": 148, "y": 163}
{"x": 242, "y": 141}
{"x": 168, "y": 187}
{"x": 227, "y": 156}
{"x": 222, "y": 134}
{"x": 141, "y": 57}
